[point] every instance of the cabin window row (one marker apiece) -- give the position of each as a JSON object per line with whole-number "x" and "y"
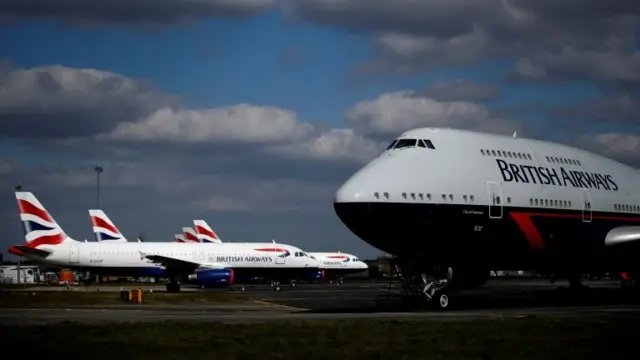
{"x": 627, "y": 207}
{"x": 427, "y": 196}
{"x": 509, "y": 154}
{"x": 565, "y": 161}
{"x": 552, "y": 202}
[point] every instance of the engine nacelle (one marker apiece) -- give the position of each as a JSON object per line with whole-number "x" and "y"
{"x": 319, "y": 275}
{"x": 213, "y": 277}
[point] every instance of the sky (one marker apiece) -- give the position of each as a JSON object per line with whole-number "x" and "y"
{"x": 249, "y": 114}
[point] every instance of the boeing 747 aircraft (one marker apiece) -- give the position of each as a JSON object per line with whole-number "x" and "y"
{"x": 46, "y": 242}
{"x": 453, "y": 204}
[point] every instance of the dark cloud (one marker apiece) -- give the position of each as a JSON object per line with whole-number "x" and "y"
{"x": 130, "y": 12}
{"x": 554, "y": 40}
{"x": 614, "y": 109}
{"x": 460, "y": 90}
{"x": 58, "y": 102}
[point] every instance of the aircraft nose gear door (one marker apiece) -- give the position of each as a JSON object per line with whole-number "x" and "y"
{"x": 495, "y": 199}
{"x": 586, "y": 205}
{"x": 73, "y": 255}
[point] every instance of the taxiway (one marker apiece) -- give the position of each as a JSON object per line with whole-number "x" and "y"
{"x": 510, "y": 298}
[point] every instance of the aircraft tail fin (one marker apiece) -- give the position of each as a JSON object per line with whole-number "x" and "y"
{"x": 189, "y": 234}
{"x": 205, "y": 233}
{"x": 179, "y": 238}
{"x": 39, "y": 226}
{"x": 103, "y": 228}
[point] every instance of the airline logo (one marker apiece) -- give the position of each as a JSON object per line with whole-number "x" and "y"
{"x": 205, "y": 233}
{"x": 104, "y": 229}
{"x": 189, "y": 234}
{"x": 39, "y": 226}
{"x": 254, "y": 259}
{"x": 549, "y": 176}
{"x": 342, "y": 258}
{"x": 285, "y": 252}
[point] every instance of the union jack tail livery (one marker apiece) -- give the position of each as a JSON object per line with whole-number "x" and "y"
{"x": 189, "y": 234}
{"x": 104, "y": 228}
{"x": 204, "y": 232}
{"x": 179, "y": 238}
{"x": 39, "y": 226}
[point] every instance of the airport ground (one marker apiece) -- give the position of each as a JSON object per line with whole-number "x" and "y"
{"x": 507, "y": 319}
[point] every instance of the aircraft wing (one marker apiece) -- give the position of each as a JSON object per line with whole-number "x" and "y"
{"x": 173, "y": 264}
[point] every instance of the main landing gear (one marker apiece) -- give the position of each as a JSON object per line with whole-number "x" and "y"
{"x": 173, "y": 285}
{"x": 430, "y": 287}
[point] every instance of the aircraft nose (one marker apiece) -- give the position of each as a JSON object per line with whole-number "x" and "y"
{"x": 349, "y": 192}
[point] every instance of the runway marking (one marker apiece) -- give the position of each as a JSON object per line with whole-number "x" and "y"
{"x": 280, "y": 306}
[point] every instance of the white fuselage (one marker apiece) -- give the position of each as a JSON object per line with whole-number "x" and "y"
{"x": 128, "y": 255}
{"x": 476, "y": 196}
{"x": 339, "y": 261}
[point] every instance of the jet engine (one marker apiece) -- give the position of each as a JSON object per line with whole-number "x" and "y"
{"x": 213, "y": 277}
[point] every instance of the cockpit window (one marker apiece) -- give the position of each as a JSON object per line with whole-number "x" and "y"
{"x": 403, "y": 143}
{"x": 429, "y": 144}
{"x": 392, "y": 144}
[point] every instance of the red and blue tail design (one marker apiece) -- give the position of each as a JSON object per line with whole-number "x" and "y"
{"x": 179, "y": 238}
{"x": 104, "y": 228}
{"x": 205, "y": 233}
{"x": 189, "y": 234}
{"x": 39, "y": 226}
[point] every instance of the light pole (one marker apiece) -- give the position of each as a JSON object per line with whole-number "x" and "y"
{"x": 98, "y": 170}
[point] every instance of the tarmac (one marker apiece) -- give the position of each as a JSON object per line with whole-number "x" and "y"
{"x": 353, "y": 300}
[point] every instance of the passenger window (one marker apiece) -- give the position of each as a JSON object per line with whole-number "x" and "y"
{"x": 482, "y": 152}
{"x": 405, "y": 143}
{"x": 499, "y": 153}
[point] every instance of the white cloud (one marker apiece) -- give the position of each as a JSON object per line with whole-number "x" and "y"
{"x": 396, "y": 112}
{"x": 243, "y": 122}
{"x": 335, "y": 144}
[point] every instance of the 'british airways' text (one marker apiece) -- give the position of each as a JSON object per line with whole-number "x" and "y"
{"x": 549, "y": 176}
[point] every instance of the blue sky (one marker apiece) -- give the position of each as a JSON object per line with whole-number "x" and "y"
{"x": 224, "y": 62}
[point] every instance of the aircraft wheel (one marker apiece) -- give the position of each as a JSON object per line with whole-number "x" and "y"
{"x": 441, "y": 301}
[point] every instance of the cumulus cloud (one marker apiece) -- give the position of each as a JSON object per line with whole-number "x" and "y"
{"x": 392, "y": 113}
{"x": 621, "y": 146}
{"x": 57, "y": 101}
{"x": 243, "y": 122}
{"x": 410, "y": 36}
{"x": 130, "y": 13}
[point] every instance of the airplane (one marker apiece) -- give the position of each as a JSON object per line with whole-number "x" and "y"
{"x": 451, "y": 205}
{"x": 179, "y": 238}
{"x": 335, "y": 265}
{"x": 332, "y": 265}
{"x": 46, "y": 242}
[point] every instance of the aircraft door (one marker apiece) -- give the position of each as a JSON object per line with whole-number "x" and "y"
{"x": 280, "y": 259}
{"x": 494, "y": 191}
{"x": 344, "y": 263}
{"x": 586, "y": 205}
{"x": 74, "y": 255}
